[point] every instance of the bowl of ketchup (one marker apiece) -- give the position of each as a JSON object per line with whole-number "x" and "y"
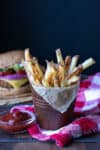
{"x": 16, "y": 121}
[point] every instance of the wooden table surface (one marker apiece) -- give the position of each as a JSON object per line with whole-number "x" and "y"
{"x": 25, "y": 142}
{"x": 48, "y": 146}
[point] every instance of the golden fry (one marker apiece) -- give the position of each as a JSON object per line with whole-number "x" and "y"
{"x": 73, "y": 63}
{"x": 29, "y": 71}
{"x": 45, "y": 83}
{"x": 77, "y": 71}
{"x": 27, "y": 55}
{"x": 56, "y": 81}
{"x": 61, "y": 73}
{"x": 36, "y": 80}
{"x": 50, "y": 73}
{"x": 31, "y": 68}
{"x": 67, "y": 63}
{"x": 73, "y": 80}
{"x": 37, "y": 68}
{"x": 87, "y": 63}
{"x": 59, "y": 57}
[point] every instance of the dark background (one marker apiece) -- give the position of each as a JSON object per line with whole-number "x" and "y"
{"x": 45, "y": 25}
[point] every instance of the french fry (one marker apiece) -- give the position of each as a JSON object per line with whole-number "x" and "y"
{"x": 28, "y": 61}
{"x": 37, "y": 68}
{"x": 56, "y": 81}
{"x": 59, "y": 57}
{"x": 36, "y": 80}
{"x": 50, "y": 73}
{"x": 55, "y": 75}
{"x": 29, "y": 72}
{"x": 73, "y": 80}
{"x": 77, "y": 71}
{"x": 67, "y": 63}
{"x": 45, "y": 83}
{"x": 40, "y": 67}
{"x": 73, "y": 63}
{"x": 61, "y": 73}
{"x": 87, "y": 63}
{"x": 31, "y": 69}
{"x": 29, "y": 66}
{"x": 27, "y": 55}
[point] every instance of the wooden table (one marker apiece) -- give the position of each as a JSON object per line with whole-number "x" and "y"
{"x": 46, "y": 146}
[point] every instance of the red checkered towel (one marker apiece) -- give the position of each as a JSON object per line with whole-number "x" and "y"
{"x": 87, "y": 104}
{"x": 88, "y": 97}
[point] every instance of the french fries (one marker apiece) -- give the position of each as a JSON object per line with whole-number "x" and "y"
{"x": 61, "y": 74}
{"x": 56, "y": 81}
{"x": 45, "y": 83}
{"x": 87, "y": 63}
{"x": 50, "y": 73}
{"x": 77, "y": 71}
{"x": 73, "y": 63}
{"x": 37, "y": 68}
{"x": 59, "y": 57}
{"x": 72, "y": 80}
{"x": 67, "y": 63}
{"x": 27, "y": 55}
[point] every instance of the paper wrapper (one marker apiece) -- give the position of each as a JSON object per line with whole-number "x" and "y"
{"x": 60, "y": 98}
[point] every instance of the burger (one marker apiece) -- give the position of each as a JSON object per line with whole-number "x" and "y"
{"x": 14, "y": 85}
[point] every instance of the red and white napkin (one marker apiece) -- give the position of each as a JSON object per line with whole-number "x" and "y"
{"x": 88, "y": 97}
{"x": 87, "y": 104}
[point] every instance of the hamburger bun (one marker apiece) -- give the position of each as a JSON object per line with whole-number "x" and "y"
{"x": 11, "y": 57}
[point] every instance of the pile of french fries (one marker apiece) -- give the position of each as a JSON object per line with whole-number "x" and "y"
{"x": 64, "y": 73}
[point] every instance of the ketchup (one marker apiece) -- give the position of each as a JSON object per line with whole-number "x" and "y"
{"x": 16, "y": 121}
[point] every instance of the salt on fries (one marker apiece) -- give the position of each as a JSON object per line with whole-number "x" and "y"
{"x": 61, "y": 74}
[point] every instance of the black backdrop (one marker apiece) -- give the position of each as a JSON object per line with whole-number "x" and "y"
{"x": 44, "y": 25}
